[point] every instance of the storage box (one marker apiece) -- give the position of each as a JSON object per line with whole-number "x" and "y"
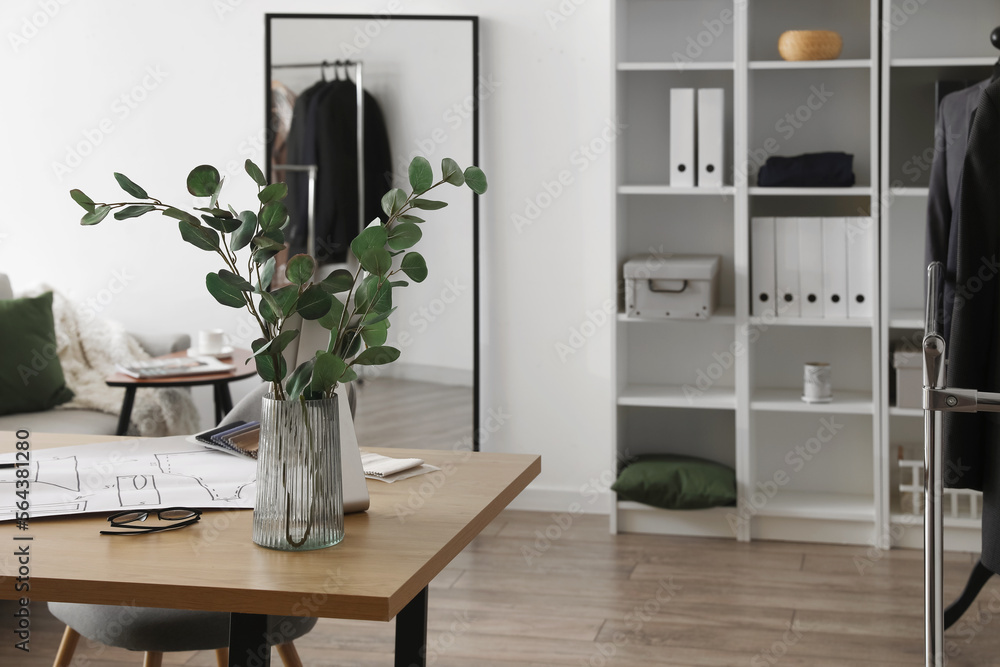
{"x": 672, "y": 286}
{"x": 909, "y": 365}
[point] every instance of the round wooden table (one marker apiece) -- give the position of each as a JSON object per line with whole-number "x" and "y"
{"x": 219, "y": 381}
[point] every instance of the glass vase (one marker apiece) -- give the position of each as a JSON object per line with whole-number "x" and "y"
{"x": 299, "y": 503}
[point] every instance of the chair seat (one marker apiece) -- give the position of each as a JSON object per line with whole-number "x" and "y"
{"x": 165, "y": 630}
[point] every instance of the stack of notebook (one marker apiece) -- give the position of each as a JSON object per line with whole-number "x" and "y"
{"x": 235, "y": 438}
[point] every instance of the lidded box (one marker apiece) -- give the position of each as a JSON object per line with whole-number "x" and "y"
{"x": 672, "y": 286}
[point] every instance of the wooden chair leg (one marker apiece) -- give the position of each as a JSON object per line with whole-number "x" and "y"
{"x": 67, "y": 648}
{"x": 153, "y": 659}
{"x": 222, "y": 657}
{"x": 289, "y": 656}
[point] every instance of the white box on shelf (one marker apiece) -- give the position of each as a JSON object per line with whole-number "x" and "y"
{"x": 835, "y": 268}
{"x": 711, "y": 137}
{"x": 860, "y": 267}
{"x": 786, "y": 267}
{"x": 672, "y": 286}
{"x": 762, "y": 267}
{"x": 811, "y": 266}
{"x": 682, "y": 136}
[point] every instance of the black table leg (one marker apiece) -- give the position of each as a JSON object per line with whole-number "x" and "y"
{"x": 223, "y": 400}
{"x": 248, "y": 645}
{"x": 126, "y": 414}
{"x": 411, "y": 633}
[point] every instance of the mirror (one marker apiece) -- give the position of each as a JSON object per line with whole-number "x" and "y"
{"x": 419, "y": 78}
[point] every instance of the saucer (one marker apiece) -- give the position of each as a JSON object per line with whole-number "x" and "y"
{"x": 224, "y": 353}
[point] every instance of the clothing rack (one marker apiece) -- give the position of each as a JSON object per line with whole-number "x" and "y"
{"x": 358, "y": 66}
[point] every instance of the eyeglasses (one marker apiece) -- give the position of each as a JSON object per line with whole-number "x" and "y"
{"x": 177, "y": 517}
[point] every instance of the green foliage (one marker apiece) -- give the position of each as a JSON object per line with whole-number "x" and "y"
{"x": 358, "y": 323}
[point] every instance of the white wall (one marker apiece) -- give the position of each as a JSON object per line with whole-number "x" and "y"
{"x": 153, "y": 88}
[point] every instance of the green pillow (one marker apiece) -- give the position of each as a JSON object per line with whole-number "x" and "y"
{"x": 677, "y": 482}
{"x": 31, "y": 377}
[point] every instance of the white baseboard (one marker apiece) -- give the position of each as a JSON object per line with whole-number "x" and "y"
{"x": 541, "y": 499}
{"x": 420, "y": 372}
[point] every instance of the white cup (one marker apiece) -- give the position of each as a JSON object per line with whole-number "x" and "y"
{"x": 816, "y": 384}
{"x": 211, "y": 341}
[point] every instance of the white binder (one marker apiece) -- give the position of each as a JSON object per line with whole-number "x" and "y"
{"x": 835, "y": 268}
{"x": 811, "y": 266}
{"x": 682, "y": 166}
{"x": 762, "y": 294}
{"x": 860, "y": 267}
{"x": 710, "y": 137}
{"x": 786, "y": 267}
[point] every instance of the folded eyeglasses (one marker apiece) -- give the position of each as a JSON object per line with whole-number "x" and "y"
{"x": 130, "y": 521}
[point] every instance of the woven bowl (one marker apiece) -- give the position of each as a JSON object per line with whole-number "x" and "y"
{"x": 810, "y": 45}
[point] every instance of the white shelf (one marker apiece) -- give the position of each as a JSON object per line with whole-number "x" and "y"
{"x": 856, "y": 191}
{"x": 949, "y": 521}
{"x": 665, "y": 66}
{"x": 910, "y": 192}
{"x": 722, "y": 315}
{"x": 661, "y": 396}
{"x": 809, "y": 322}
{"x": 906, "y": 318}
{"x": 789, "y": 400}
{"x": 810, "y": 64}
{"x": 829, "y": 506}
{"x": 905, "y": 412}
{"x": 671, "y": 190}
{"x": 984, "y": 61}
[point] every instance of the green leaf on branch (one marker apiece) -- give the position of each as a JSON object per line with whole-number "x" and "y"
{"x": 224, "y": 293}
{"x": 373, "y": 236}
{"x": 451, "y": 172}
{"x": 393, "y": 201}
{"x": 218, "y": 191}
{"x": 331, "y": 320}
{"x": 375, "y": 333}
{"x": 265, "y": 242}
{"x": 406, "y": 217}
{"x": 404, "y": 235}
{"x": 376, "y": 261}
{"x": 428, "y": 204}
{"x": 415, "y": 266}
{"x": 178, "y": 214}
{"x": 83, "y": 200}
{"x": 248, "y": 227}
{"x": 339, "y": 281}
{"x": 273, "y": 192}
{"x": 326, "y": 371}
{"x": 421, "y": 174}
{"x": 273, "y": 217}
{"x": 265, "y": 364}
{"x": 365, "y": 293}
{"x": 266, "y": 274}
{"x": 476, "y": 180}
{"x": 203, "y": 181}
{"x": 95, "y": 216}
{"x": 299, "y": 380}
{"x": 133, "y": 211}
{"x": 130, "y": 187}
{"x": 313, "y": 303}
{"x": 284, "y": 302}
{"x": 224, "y": 225}
{"x": 262, "y": 255}
{"x": 299, "y": 269}
{"x": 377, "y": 356}
{"x": 198, "y": 236}
{"x": 348, "y": 376}
{"x": 278, "y": 343}
{"x": 269, "y": 308}
{"x": 377, "y": 317}
{"x": 235, "y": 280}
{"x": 255, "y": 173}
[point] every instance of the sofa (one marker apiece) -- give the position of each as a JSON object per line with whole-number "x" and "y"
{"x": 60, "y": 420}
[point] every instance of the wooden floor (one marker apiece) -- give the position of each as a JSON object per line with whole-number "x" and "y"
{"x": 534, "y": 591}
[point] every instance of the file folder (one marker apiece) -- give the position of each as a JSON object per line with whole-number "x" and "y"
{"x": 860, "y": 267}
{"x": 835, "y": 268}
{"x": 762, "y": 291}
{"x": 710, "y": 137}
{"x": 786, "y": 267}
{"x": 811, "y": 266}
{"x": 682, "y": 136}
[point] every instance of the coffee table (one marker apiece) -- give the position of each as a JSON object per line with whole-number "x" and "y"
{"x": 381, "y": 570}
{"x": 219, "y": 381}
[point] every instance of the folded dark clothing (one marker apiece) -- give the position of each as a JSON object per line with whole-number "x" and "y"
{"x": 812, "y": 170}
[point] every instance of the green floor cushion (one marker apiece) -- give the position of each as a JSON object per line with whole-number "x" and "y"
{"x": 31, "y": 377}
{"x": 677, "y": 482}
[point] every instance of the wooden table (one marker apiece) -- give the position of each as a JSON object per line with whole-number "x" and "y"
{"x": 219, "y": 381}
{"x": 380, "y": 571}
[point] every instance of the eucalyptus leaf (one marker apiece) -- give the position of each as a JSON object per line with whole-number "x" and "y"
{"x": 421, "y": 174}
{"x": 278, "y": 343}
{"x": 265, "y": 242}
{"x": 377, "y": 356}
{"x": 273, "y": 216}
{"x": 248, "y": 227}
{"x": 299, "y": 269}
{"x": 224, "y": 225}
{"x": 262, "y": 255}
{"x": 415, "y": 266}
{"x": 255, "y": 173}
{"x": 269, "y": 308}
{"x": 476, "y": 180}
{"x": 375, "y": 333}
{"x": 83, "y": 200}
{"x": 218, "y": 191}
{"x": 203, "y": 180}
{"x": 376, "y": 261}
{"x": 198, "y": 236}
{"x": 284, "y": 303}
{"x": 427, "y": 204}
{"x": 266, "y": 275}
{"x": 130, "y": 187}
{"x": 327, "y": 371}
{"x": 404, "y": 235}
{"x": 332, "y": 318}
{"x": 370, "y": 237}
{"x": 451, "y": 172}
{"x": 234, "y": 280}
{"x": 273, "y": 192}
{"x": 266, "y": 367}
{"x": 392, "y": 201}
{"x": 299, "y": 380}
{"x": 313, "y": 303}
{"x": 348, "y": 376}
{"x": 133, "y": 211}
{"x": 95, "y": 216}
{"x": 406, "y": 217}
{"x": 365, "y": 292}
{"x": 339, "y": 281}
{"x": 377, "y": 317}
{"x": 224, "y": 293}
{"x": 178, "y": 214}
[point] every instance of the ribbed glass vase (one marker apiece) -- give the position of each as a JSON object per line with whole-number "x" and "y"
{"x": 299, "y": 503}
